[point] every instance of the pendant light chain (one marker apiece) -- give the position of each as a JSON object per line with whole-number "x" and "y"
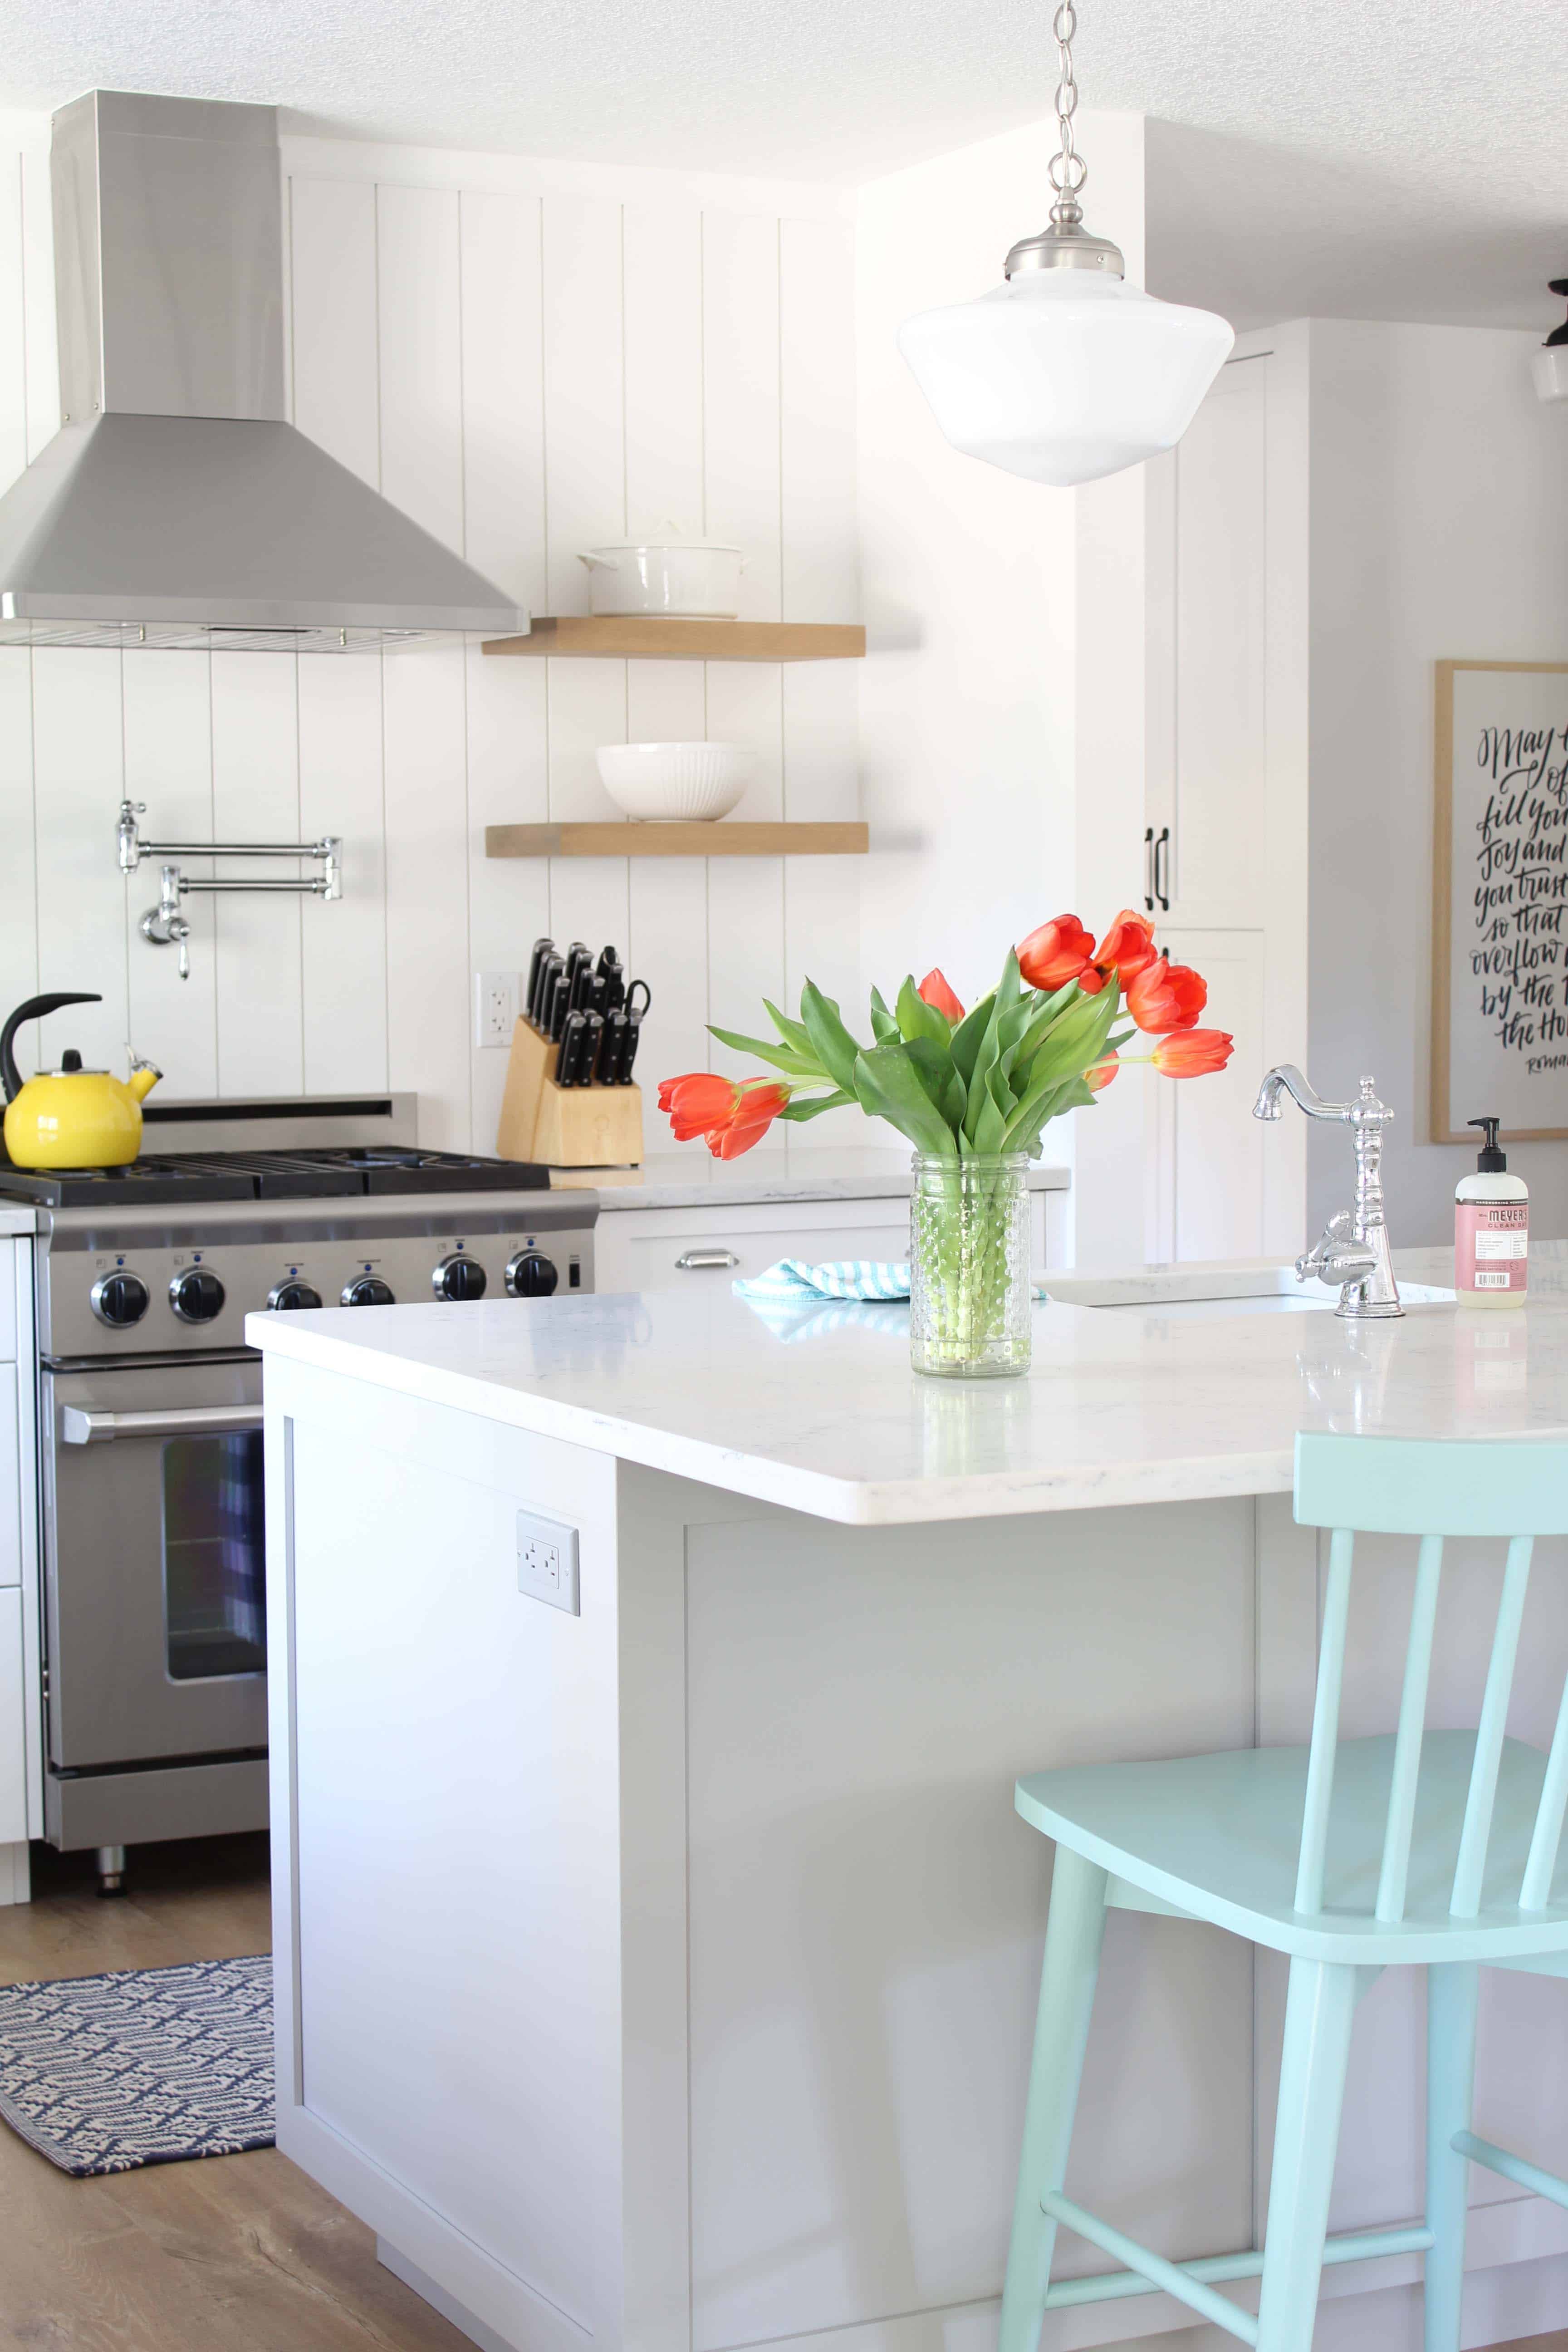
{"x": 1068, "y": 169}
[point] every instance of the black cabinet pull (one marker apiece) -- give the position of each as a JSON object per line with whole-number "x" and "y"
{"x": 1162, "y": 873}
{"x": 1148, "y": 869}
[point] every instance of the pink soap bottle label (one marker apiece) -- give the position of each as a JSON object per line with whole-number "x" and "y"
{"x": 1492, "y": 1245}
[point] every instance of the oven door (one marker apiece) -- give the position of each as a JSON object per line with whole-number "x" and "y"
{"x": 154, "y": 1558}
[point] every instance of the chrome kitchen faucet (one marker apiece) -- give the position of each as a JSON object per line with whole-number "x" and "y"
{"x": 1353, "y": 1249}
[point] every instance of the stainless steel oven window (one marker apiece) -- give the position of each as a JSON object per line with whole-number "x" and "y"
{"x": 215, "y": 1578}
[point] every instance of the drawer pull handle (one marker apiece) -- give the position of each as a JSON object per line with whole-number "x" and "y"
{"x": 697, "y": 1261}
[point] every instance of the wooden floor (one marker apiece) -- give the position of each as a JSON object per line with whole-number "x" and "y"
{"x": 235, "y": 2253}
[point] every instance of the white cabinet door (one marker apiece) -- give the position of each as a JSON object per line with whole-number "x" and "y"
{"x": 1208, "y": 657}
{"x": 11, "y": 1501}
{"x": 1214, "y": 1175}
{"x": 13, "y": 1724}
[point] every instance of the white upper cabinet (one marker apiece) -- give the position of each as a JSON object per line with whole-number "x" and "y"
{"x": 1208, "y": 660}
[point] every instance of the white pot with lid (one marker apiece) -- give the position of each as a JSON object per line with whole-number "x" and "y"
{"x": 699, "y": 579}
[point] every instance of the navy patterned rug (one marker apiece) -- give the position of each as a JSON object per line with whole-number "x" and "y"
{"x": 144, "y": 2066}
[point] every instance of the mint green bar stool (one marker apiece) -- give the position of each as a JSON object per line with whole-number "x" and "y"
{"x": 1419, "y": 1849}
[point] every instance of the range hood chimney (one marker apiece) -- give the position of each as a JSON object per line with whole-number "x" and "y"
{"x": 175, "y": 507}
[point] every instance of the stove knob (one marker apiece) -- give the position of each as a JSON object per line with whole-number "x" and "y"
{"x": 119, "y": 1300}
{"x": 531, "y": 1274}
{"x": 196, "y": 1295}
{"x": 459, "y": 1278}
{"x": 293, "y": 1293}
{"x": 369, "y": 1291}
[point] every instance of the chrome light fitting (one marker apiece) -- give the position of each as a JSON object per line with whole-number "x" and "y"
{"x": 1065, "y": 372}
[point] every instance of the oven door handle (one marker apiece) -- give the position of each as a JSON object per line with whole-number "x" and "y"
{"x": 80, "y": 1427}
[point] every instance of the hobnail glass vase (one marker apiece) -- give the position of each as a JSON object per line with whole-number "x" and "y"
{"x": 969, "y": 1268}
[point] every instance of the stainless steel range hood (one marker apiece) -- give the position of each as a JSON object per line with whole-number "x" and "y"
{"x": 175, "y": 506}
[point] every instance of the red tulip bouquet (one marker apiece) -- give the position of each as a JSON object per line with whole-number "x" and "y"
{"x": 973, "y": 1092}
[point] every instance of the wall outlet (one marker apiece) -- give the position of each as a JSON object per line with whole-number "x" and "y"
{"x": 495, "y": 1007}
{"x": 547, "y": 1562}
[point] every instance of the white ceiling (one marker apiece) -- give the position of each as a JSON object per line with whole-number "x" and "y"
{"x": 1382, "y": 157}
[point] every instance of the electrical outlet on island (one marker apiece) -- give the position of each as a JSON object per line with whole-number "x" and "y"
{"x": 547, "y": 1562}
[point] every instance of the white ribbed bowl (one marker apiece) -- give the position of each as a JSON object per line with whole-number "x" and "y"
{"x": 677, "y": 783}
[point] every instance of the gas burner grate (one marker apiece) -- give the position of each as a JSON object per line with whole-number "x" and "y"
{"x": 335, "y": 1172}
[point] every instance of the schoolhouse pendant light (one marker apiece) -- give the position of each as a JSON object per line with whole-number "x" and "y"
{"x": 1064, "y": 372}
{"x": 1549, "y": 363}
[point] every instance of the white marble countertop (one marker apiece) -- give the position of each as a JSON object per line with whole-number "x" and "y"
{"x": 692, "y": 1177}
{"x": 1123, "y": 1405}
{"x": 17, "y": 1218}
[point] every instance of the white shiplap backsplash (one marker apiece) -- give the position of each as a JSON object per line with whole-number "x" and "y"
{"x": 529, "y": 360}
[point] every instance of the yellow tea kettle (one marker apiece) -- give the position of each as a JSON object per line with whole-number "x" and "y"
{"x": 70, "y": 1117}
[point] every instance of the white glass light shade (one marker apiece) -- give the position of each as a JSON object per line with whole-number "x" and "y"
{"x": 1065, "y": 374}
{"x": 1549, "y": 366}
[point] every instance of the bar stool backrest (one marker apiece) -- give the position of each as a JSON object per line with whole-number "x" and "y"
{"x": 1431, "y": 1489}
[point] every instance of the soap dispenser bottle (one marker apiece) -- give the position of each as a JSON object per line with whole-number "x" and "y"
{"x": 1491, "y": 1230}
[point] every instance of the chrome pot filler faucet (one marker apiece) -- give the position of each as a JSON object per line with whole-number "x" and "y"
{"x": 1353, "y": 1249}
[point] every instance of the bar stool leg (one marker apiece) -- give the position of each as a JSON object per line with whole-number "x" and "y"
{"x": 1074, "y": 1931}
{"x": 1452, "y": 1991}
{"x": 1319, "y": 2009}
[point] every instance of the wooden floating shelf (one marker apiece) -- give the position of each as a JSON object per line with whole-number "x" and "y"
{"x": 722, "y": 839}
{"x": 640, "y": 635}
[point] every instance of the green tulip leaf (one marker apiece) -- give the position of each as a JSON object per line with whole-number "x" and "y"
{"x": 884, "y": 1028}
{"x": 1074, "y": 1042}
{"x": 782, "y": 1057}
{"x": 792, "y": 1031}
{"x": 990, "y": 1126}
{"x": 1047, "y": 1011}
{"x": 967, "y": 1037}
{"x": 934, "y": 1067}
{"x": 989, "y": 1053}
{"x": 835, "y": 1048}
{"x": 888, "y": 1085}
{"x": 804, "y": 1106}
{"x": 919, "y": 1019}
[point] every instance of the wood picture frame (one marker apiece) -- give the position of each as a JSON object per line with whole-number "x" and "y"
{"x": 1469, "y": 1052}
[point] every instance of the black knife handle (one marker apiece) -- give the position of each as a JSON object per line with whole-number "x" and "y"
{"x": 629, "y": 1051}
{"x": 611, "y": 1046}
{"x": 571, "y": 1048}
{"x": 542, "y": 947}
{"x": 592, "y": 1039}
{"x": 550, "y": 971}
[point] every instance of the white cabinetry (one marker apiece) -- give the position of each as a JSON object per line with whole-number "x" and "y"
{"x": 1208, "y": 651}
{"x": 1227, "y": 796}
{"x": 718, "y": 1242}
{"x": 20, "y": 1788}
{"x": 668, "y": 1249}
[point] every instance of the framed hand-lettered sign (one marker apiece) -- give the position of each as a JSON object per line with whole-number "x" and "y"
{"x": 1499, "y": 913}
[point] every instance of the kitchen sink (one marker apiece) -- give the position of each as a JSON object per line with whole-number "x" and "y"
{"x": 1197, "y": 1293}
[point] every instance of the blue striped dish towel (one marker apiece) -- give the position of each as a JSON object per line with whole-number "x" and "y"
{"x": 793, "y": 1283}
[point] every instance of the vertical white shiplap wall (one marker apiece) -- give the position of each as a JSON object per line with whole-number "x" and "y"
{"x": 528, "y": 358}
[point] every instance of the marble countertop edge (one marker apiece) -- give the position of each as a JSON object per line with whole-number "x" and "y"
{"x": 1115, "y": 1483}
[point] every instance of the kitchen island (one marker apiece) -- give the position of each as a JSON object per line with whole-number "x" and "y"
{"x": 659, "y": 1972}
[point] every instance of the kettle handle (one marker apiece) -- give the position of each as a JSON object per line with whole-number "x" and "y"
{"x": 34, "y": 1010}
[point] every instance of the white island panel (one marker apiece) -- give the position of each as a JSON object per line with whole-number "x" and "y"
{"x": 662, "y": 1977}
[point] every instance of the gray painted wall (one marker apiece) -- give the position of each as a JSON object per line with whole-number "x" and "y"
{"x": 1439, "y": 530}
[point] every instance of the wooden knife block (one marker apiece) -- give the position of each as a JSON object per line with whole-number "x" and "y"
{"x": 564, "y": 1126}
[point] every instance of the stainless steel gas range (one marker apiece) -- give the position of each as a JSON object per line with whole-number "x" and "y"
{"x": 150, "y": 1416}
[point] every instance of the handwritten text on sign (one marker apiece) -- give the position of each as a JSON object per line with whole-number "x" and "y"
{"x": 1508, "y": 977}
